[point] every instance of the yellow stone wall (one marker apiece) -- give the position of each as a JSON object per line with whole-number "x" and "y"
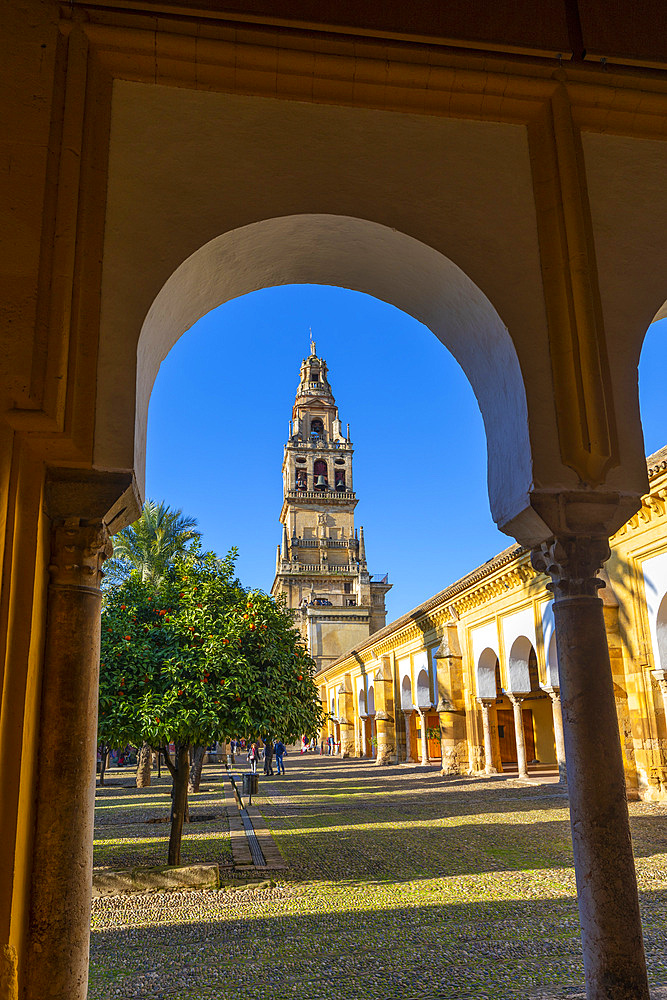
{"x": 504, "y": 606}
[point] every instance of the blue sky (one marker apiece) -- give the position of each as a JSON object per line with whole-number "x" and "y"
{"x": 218, "y": 422}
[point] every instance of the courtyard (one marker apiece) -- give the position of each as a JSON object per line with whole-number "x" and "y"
{"x": 400, "y": 884}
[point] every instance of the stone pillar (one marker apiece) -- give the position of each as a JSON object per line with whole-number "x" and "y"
{"x": 453, "y": 746}
{"x": 554, "y": 694}
{"x": 407, "y": 716}
{"x": 386, "y": 741}
{"x": 362, "y": 735}
{"x": 59, "y": 923}
{"x": 518, "y": 732}
{"x": 611, "y": 931}
{"x": 384, "y": 713}
{"x": 346, "y": 712}
{"x": 489, "y": 766}
{"x": 425, "y": 761}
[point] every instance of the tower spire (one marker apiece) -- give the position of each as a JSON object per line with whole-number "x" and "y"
{"x": 362, "y": 547}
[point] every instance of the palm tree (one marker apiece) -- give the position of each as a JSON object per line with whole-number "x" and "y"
{"x": 149, "y": 546}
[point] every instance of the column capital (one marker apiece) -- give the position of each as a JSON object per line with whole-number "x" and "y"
{"x": 572, "y": 562}
{"x": 553, "y": 692}
{"x": 78, "y": 549}
{"x": 92, "y": 495}
{"x": 516, "y": 698}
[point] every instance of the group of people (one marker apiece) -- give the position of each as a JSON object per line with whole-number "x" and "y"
{"x": 267, "y": 751}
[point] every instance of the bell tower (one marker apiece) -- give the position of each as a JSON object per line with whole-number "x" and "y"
{"x": 321, "y": 562}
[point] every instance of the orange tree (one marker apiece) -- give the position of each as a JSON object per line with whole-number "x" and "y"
{"x": 198, "y": 658}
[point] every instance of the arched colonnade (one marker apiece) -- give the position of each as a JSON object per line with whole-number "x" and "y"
{"x": 517, "y": 208}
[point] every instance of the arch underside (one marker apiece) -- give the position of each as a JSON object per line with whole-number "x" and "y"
{"x": 486, "y": 674}
{"x": 518, "y": 665}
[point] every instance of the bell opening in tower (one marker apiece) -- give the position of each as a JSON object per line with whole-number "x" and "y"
{"x": 320, "y": 475}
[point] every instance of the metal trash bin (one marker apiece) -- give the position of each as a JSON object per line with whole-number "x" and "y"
{"x": 250, "y": 784}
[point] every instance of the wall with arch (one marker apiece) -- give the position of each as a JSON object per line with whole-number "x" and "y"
{"x": 654, "y": 572}
{"x": 515, "y": 625}
{"x": 549, "y": 645}
{"x": 486, "y": 673}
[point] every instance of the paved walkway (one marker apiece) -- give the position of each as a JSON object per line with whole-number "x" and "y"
{"x": 401, "y": 884}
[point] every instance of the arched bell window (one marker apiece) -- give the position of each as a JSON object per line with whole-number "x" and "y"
{"x": 320, "y": 475}
{"x": 316, "y": 428}
{"x": 340, "y": 479}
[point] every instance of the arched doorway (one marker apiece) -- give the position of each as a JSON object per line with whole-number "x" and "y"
{"x": 409, "y": 728}
{"x": 535, "y": 707}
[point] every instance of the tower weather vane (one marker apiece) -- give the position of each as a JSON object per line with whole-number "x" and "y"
{"x": 312, "y": 342}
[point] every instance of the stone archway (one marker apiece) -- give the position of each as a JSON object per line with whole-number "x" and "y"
{"x": 533, "y": 738}
{"x": 352, "y": 253}
{"x": 145, "y": 148}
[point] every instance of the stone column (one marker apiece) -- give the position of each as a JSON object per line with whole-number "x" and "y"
{"x": 407, "y": 716}
{"x": 425, "y": 761}
{"x": 386, "y": 741}
{"x": 554, "y": 694}
{"x": 59, "y": 923}
{"x": 518, "y": 732}
{"x": 611, "y": 931}
{"x": 489, "y": 767}
{"x": 362, "y": 735}
{"x": 384, "y": 714}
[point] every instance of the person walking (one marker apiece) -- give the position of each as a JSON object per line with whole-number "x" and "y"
{"x": 268, "y": 757}
{"x": 330, "y": 743}
{"x": 252, "y": 757}
{"x": 281, "y": 750}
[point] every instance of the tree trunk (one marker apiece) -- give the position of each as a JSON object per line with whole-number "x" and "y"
{"x": 179, "y": 773}
{"x": 144, "y": 766}
{"x": 196, "y": 766}
{"x": 103, "y": 763}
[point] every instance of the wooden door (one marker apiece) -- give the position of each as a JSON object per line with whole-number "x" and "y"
{"x": 434, "y": 745}
{"x": 370, "y": 733}
{"x": 528, "y": 734}
{"x": 507, "y": 736}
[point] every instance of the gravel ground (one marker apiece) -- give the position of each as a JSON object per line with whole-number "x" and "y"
{"x": 402, "y": 885}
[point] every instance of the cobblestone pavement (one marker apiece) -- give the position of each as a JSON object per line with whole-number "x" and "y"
{"x": 402, "y": 884}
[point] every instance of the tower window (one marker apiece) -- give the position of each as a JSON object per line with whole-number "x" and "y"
{"x": 316, "y": 427}
{"x": 340, "y": 479}
{"x": 301, "y": 479}
{"x": 348, "y": 588}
